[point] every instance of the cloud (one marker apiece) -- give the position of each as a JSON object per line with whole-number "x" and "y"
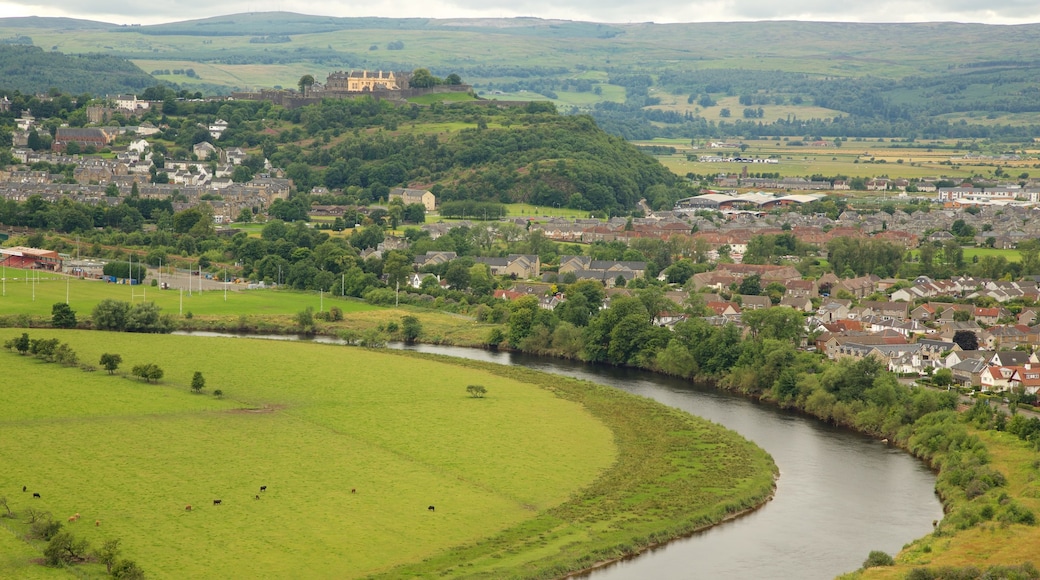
{"x": 617, "y": 11}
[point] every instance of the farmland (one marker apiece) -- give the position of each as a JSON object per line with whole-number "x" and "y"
{"x": 510, "y": 475}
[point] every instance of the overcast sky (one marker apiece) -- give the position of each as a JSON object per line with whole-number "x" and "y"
{"x": 134, "y": 11}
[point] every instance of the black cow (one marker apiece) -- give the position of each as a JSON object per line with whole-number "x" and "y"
{"x": 216, "y": 502}
{"x": 430, "y": 508}
{"x": 36, "y": 495}
{"x": 256, "y": 497}
{"x": 24, "y": 489}
{"x": 263, "y": 488}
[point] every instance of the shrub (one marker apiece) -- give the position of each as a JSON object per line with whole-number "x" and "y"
{"x": 878, "y": 558}
{"x": 476, "y": 391}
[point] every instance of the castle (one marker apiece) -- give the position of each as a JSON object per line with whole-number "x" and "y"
{"x": 365, "y": 81}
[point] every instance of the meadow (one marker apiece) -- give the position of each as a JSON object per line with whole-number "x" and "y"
{"x": 540, "y": 475}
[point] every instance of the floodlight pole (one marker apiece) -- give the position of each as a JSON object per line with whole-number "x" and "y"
{"x": 66, "y": 290}
{"x": 342, "y": 287}
{"x": 225, "y": 283}
{"x": 321, "y": 300}
{"x": 181, "y": 313}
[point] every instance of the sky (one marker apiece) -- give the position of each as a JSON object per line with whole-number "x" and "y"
{"x": 612, "y": 11}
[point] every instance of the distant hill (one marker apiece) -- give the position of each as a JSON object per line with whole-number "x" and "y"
{"x": 639, "y": 80}
{"x": 30, "y": 69}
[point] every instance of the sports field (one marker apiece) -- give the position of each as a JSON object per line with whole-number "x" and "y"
{"x": 24, "y": 293}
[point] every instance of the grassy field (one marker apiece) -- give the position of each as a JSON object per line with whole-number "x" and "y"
{"x": 20, "y": 296}
{"x": 987, "y": 544}
{"x": 858, "y": 158}
{"x": 971, "y": 253}
{"x": 542, "y": 473}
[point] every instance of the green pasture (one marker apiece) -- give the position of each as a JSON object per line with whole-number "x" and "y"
{"x": 970, "y": 253}
{"x": 441, "y": 98}
{"x": 544, "y": 474}
{"x": 22, "y": 296}
{"x": 309, "y": 421}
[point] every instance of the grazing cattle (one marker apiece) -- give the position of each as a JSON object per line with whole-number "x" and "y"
{"x": 72, "y": 518}
{"x": 256, "y": 497}
{"x": 187, "y": 508}
{"x": 263, "y": 488}
{"x": 36, "y": 495}
{"x": 24, "y": 489}
{"x": 353, "y": 490}
{"x": 430, "y": 508}
{"x": 97, "y": 523}
{"x": 216, "y": 502}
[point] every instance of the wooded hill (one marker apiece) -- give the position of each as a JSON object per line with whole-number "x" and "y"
{"x": 30, "y": 69}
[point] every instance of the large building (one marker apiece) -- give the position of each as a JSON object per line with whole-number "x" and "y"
{"x": 410, "y": 196}
{"x": 37, "y": 259}
{"x": 365, "y": 81}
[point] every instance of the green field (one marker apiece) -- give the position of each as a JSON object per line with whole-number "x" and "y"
{"x": 531, "y": 478}
{"x": 20, "y": 296}
{"x": 309, "y": 422}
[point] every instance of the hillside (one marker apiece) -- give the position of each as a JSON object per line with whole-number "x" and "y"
{"x": 640, "y": 80}
{"x": 31, "y": 70}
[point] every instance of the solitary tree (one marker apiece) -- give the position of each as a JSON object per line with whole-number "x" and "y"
{"x": 411, "y": 328}
{"x": 476, "y": 391}
{"x": 62, "y": 316}
{"x": 966, "y": 339}
{"x": 218, "y": 394}
{"x": 306, "y": 81}
{"x": 64, "y": 548}
{"x": 110, "y": 362}
{"x": 197, "y": 382}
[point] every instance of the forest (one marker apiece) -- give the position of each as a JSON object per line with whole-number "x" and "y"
{"x": 29, "y": 69}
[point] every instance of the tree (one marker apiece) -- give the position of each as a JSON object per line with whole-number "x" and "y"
{"x": 422, "y": 79}
{"x": 966, "y": 339}
{"x": 64, "y": 548}
{"x": 110, "y": 314}
{"x": 110, "y": 362}
{"x": 108, "y": 554}
{"x": 411, "y": 328}
{"x": 942, "y": 378}
{"x": 457, "y": 275}
{"x": 453, "y": 79}
{"x": 149, "y": 372}
{"x": 878, "y": 558}
{"x": 305, "y": 82}
{"x": 218, "y": 394}
{"x": 476, "y": 391}
{"x": 127, "y": 570}
{"x": 751, "y": 285}
{"x": 22, "y": 343}
{"x": 961, "y": 315}
{"x": 197, "y": 382}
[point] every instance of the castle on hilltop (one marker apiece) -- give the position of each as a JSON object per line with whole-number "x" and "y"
{"x": 365, "y": 82}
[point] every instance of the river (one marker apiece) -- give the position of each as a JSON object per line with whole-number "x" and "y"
{"x": 839, "y": 496}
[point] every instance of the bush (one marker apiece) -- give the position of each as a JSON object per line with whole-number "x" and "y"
{"x": 64, "y": 548}
{"x": 878, "y": 558}
{"x": 149, "y": 372}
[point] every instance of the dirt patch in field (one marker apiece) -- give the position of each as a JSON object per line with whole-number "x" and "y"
{"x": 252, "y": 410}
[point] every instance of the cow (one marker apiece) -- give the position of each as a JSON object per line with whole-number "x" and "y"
{"x": 24, "y": 489}
{"x": 216, "y": 502}
{"x": 36, "y": 495}
{"x": 430, "y": 508}
{"x": 353, "y": 490}
{"x": 263, "y": 488}
{"x": 97, "y": 523}
{"x": 187, "y": 508}
{"x": 256, "y": 497}
{"x": 72, "y": 519}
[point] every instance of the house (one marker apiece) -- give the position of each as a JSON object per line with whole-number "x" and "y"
{"x": 834, "y": 309}
{"x": 434, "y": 259}
{"x": 204, "y": 150}
{"x": 64, "y": 136}
{"x": 969, "y": 372}
{"x": 754, "y": 302}
{"x": 411, "y": 196}
{"x": 802, "y": 304}
{"x": 521, "y": 266}
{"x": 417, "y": 279}
{"x": 727, "y": 309}
{"x": 996, "y": 378}
{"x": 217, "y": 128}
